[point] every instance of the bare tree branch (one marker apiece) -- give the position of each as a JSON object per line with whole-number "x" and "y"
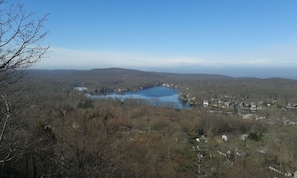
{"x": 7, "y": 113}
{"x": 20, "y": 35}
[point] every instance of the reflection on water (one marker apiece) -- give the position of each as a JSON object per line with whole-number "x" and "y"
{"x": 156, "y": 96}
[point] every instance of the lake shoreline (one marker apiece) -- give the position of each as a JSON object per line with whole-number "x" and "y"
{"x": 156, "y": 96}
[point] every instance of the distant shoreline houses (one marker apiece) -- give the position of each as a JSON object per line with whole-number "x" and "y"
{"x": 245, "y": 109}
{"x": 81, "y": 89}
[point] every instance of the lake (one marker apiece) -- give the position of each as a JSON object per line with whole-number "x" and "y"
{"x": 156, "y": 96}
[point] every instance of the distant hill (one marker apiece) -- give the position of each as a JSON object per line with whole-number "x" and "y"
{"x": 198, "y": 85}
{"x": 116, "y": 73}
{"x": 117, "y": 76}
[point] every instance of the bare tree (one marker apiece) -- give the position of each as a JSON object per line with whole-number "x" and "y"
{"x": 20, "y": 37}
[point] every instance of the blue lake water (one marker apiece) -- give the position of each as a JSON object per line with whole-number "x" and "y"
{"x": 156, "y": 96}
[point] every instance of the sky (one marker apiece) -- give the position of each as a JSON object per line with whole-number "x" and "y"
{"x": 192, "y": 36}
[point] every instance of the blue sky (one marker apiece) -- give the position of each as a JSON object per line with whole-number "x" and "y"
{"x": 168, "y": 34}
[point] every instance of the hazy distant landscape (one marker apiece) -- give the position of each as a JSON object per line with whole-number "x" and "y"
{"x": 148, "y": 89}
{"x": 288, "y": 72}
{"x": 248, "y": 71}
{"x": 239, "y": 126}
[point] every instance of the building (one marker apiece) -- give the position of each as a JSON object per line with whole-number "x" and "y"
{"x": 205, "y": 103}
{"x": 80, "y": 89}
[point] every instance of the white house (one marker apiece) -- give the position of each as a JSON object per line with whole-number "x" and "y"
{"x": 80, "y": 89}
{"x": 205, "y": 103}
{"x": 224, "y": 138}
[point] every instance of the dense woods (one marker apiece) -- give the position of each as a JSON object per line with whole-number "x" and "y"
{"x": 61, "y": 133}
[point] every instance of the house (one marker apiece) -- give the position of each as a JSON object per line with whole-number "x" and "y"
{"x": 224, "y": 138}
{"x": 205, "y": 103}
{"x": 80, "y": 89}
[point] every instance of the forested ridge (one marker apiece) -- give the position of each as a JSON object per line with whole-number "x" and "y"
{"x": 61, "y": 133}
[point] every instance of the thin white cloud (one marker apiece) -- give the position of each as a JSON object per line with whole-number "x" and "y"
{"x": 75, "y": 59}
{"x": 60, "y": 58}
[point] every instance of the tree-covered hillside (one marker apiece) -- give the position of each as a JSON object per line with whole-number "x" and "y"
{"x": 64, "y": 134}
